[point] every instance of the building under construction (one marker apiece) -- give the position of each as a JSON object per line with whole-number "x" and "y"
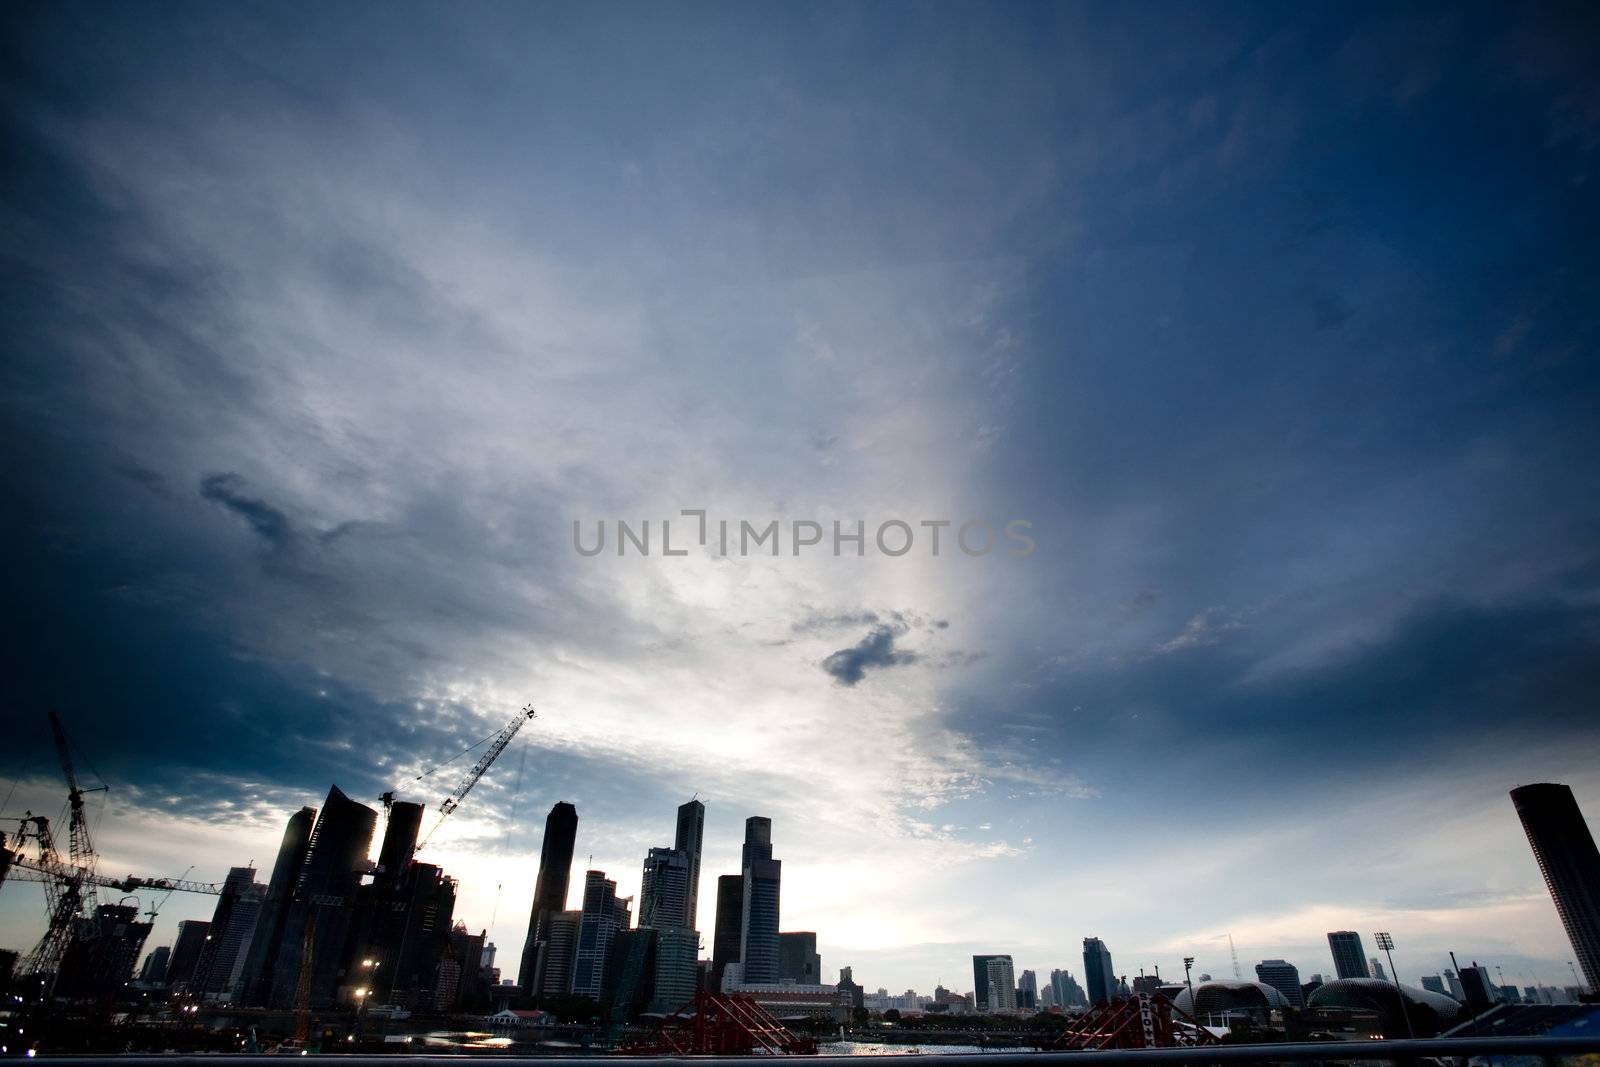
{"x": 330, "y": 929}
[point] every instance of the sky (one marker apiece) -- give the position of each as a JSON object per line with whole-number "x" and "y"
{"x": 326, "y": 328}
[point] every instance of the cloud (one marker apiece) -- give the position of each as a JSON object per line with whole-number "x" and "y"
{"x": 271, "y": 524}
{"x": 279, "y": 295}
{"x": 1200, "y": 631}
{"x": 873, "y": 652}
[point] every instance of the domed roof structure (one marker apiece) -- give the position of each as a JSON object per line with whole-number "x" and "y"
{"x": 1430, "y": 1012}
{"x": 1221, "y": 995}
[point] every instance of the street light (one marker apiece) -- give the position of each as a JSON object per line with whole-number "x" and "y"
{"x": 1386, "y": 943}
{"x": 1188, "y": 964}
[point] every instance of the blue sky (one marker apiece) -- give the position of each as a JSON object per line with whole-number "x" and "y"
{"x": 1276, "y": 324}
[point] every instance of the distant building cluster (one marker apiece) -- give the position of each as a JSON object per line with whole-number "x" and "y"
{"x": 332, "y": 929}
{"x": 598, "y": 952}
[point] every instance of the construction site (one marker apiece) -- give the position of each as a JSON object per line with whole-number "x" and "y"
{"x": 336, "y": 951}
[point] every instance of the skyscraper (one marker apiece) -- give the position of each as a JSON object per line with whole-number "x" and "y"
{"x": 757, "y": 840}
{"x": 1284, "y": 977}
{"x": 727, "y": 934}
{"x": 1349, "y": 958}
{"x": 758, "y": 944}
{"x": 1002, "y": 982}
{"x": 550, "y": 891}
{"x": 1565, "y": 851}
{"x": 1065, "y": 990}
{"x": 154, "y": 969}
{"x": 664, "y": 890}
{"x": 232, "y": 924}
{"x": 411, "y": 937}
{"x": 667, "y": 910}
{"x": 186, "y": 952}
{"x": 555, "y": 953}
{"x": 676, "y": 972}
{"x": 1100, "y": 982}
{"x": 324, "y": 899}
{"x": 688, "y": 840}
{"x": 604, "y": 916}
{"x": 261, "y": 958}
{"x": 1028, "y": 991}
{"x": 981, "y": 991}
{"x": 399, "y": 839}
{"x": 798, "y": 961}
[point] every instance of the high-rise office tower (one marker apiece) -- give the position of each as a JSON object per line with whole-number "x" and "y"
{"x": 1002, "y": 984}
{"x": 409, "y": 939}
{"x": 556, "y": 951}
{"x": 550, "y": 891}
{"x": 324, "y": 899}
{"x": 664, "y": 891}
{"x": 1375, "y": 969}
{"x": 1028, "y": 991}
{"x": 1284, "y": 977}
{"x": 763, "y": 875}
{"x": 667, "y": 906}
{"x": 232, "y": 924}
{"x": 469, "y": 951}
{"x": 399, "y": 839}
{"x": 981, "y": 992}
{"x": 727, "y": 933}
{"x": 757, "y": 840}
{"x": 798, "y": 961}
{"x": 604, "y": 916}
{"x": 1349, "y": 958}
{"x": 677, "y": 960}
{"x": 1065, "y": 989}
{"x": 1565, "y": 851}
{"x": 261, "y": 958}
{"x": 154, "y": 969}
{"x": 186, "y": 952}
{"x": 688, "y": 840}
{"x": 1100, "y": 982}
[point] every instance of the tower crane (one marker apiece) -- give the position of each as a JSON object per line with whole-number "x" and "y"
{"x": 496, "y": 746}
{"x": 69, "y": 884}
{"x": 70, "y": 881}
{"x": 54, "y": 870}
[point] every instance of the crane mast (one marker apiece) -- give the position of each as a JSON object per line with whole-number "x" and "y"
{"x": 69, "y": 884}
{"x": 501, "y": 740}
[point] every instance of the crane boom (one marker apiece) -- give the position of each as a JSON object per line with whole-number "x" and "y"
{"x": 501, "y": 740}
{"x": 25, "y": 869}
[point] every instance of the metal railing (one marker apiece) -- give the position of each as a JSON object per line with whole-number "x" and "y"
{"x": 1458, "y": 1049}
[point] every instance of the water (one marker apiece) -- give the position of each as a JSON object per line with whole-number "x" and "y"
{"x": 876, "y": 1048}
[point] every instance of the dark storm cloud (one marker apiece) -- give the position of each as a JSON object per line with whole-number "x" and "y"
{"x": 1297, "y": 345}
{"x": 873, "y": 652}
{"x": 1446, "y": 676}
{"x": 271, "y": 524}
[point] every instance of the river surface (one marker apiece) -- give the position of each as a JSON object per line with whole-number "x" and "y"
{"x": 876, "y": 1048}
{"x": 484, "y": 1041}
